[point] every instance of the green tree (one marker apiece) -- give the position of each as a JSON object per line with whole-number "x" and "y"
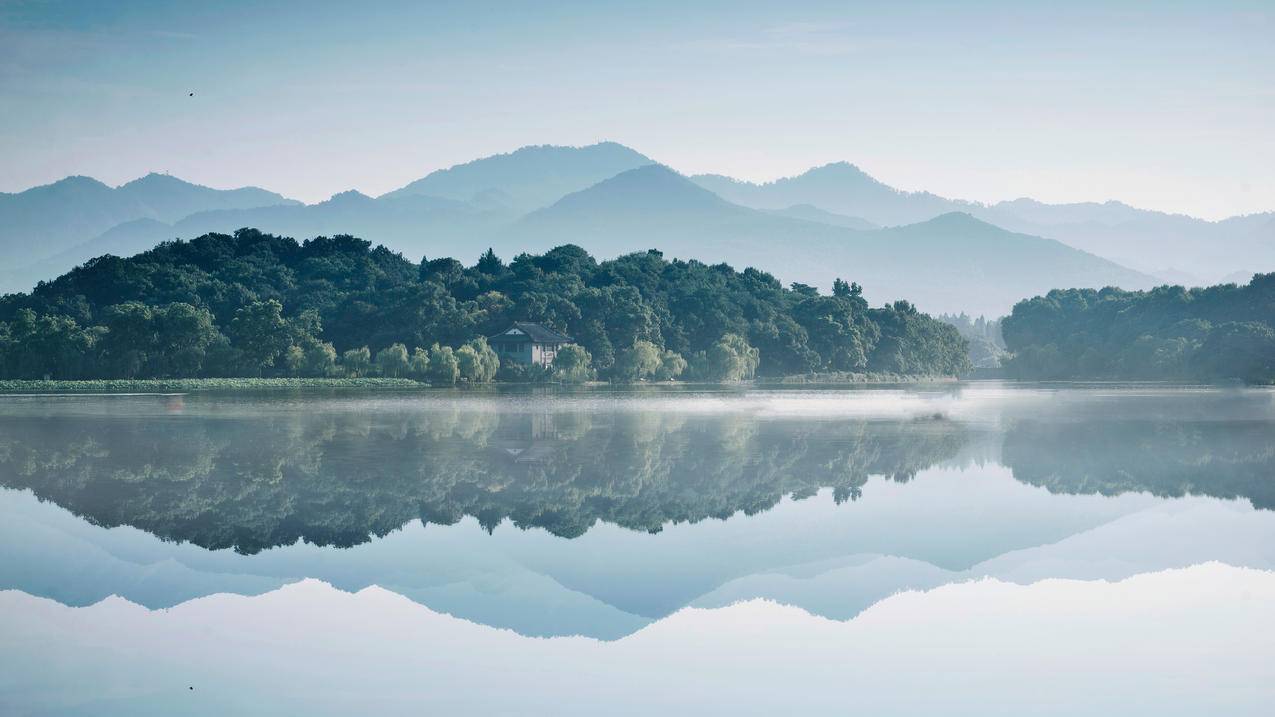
{"x": 672, "y": 365}
{"x": 48, "y": 347}
{"x": 1239, "y": 349}
{"x": 489, "y": 263}
{"x": 392, "y": 361}
{"x": 477, "y": 361}
{"x": 261, "y": 333}
{"x": 444, "y": 369}
{"x": 468, "y": 363}
{"x": 129, "y": 339}
{"x": 294, "y": 360}
{"x": 183, "y": 335}
{"x": 419, "y": 365}
{"x": 357, "y": 362}
{"x": 732, "y": 359}
{"x": 317, "y": 358}
{"x": 573, "y": 364}
{"x": 639, "y": 361}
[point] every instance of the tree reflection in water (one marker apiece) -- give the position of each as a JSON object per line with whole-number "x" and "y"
{"x": 251, "y": 475}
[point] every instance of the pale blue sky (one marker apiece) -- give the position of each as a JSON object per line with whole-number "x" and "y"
{"x": 1164, "y": 105}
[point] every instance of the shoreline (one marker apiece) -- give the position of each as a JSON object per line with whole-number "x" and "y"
{"x": 38, "y": 387}
{"x": 124, "y": 387}
{"x": 32, "y": 387}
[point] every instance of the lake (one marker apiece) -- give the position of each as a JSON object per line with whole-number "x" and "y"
{"x": 970, "y": 548}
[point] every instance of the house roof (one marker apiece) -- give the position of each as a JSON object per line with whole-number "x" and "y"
{"x": 524, "y": 330}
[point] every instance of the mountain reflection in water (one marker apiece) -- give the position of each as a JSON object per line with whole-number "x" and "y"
{"x": 598, "y": 513}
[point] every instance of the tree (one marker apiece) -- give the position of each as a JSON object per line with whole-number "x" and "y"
{"x": 637, "y": 362}
{"x": 392, "y": 361}
{"x": 261, "y": 333}
{"x": 468, "y": 363}
{"x": 672, "y": 365}
{"x": 444, "y": 369}
{"x": 732, "y": 359}
{"x": 842, "y": 290}
{"x": 477, "y": 361}
{"x": 489, "y": 263}
{"x": 183, "y": 335}
{"x": 48, "y": 347}
{"x": 356, "y": 362}
{"x": 418, "y": 368}
{"x": 129, "y": 339}
{"x": 837, "y": 329}
{"x": 573, "y": 364}
{"x": 1239, "y": 349}
{"x": 294, "y": 359}
{"x": 318, "y": 357}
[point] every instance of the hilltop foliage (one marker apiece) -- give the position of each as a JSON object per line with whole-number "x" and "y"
{"x": 1218, "y": 332}
{"x": 255, "y": 304}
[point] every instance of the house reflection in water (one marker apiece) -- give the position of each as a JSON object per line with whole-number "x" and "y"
{"x": 528, "y": 438}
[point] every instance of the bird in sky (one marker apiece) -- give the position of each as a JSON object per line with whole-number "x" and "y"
{"x": 192, "y": 94}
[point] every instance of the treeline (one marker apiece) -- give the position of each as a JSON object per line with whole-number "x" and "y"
{"x": 132, "y": 340}
{"x": 1218, "y": 332}
{"x": 254, "y": 304}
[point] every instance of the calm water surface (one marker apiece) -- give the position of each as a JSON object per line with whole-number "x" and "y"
{"x": 970, "y": 549}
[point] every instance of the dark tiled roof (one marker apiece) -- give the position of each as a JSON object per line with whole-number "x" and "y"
{"x": 535, "y": 332}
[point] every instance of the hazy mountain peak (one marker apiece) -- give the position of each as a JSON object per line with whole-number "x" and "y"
{"x": 840, "y": 169}
{"x": 532, "y": 176}
{"x": 43, "y": 222}
{"x": 349, "y": 196}
{"x": 654, "y": 187}
{"x": 840, "y": 188}
{"x": 72, "y": 183}
{"x": 157, "y": 179}
{"x": 959, "y": 221}
{"x": 76, "y": 180}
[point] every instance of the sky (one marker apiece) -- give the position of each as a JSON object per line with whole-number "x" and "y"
{"x": 1163, "y": 105}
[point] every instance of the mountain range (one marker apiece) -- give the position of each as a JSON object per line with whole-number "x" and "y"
{"x": 950, "y": 260}
{"x": 528, "y": 178}
{"x": 49, "y": 219}
{"x": 832, "y": 221}
{"x": 1173, "y": 245}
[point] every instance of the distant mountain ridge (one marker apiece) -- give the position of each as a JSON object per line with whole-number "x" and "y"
{"x": 530, "y": 177}
{"x": 948, "y": 262}
{"x": 840, "y": 188}
{"x": 1174, "y": 244}
{"x": 542, "y": 196}
{"x": 45, "y": 220}
{"x": 811, "y": 213}
{"x": 410, "y": 224}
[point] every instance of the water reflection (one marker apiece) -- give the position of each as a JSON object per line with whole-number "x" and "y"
{"x": 338, "y": 475}
{"x": 251, "y": 475}
{"x": 1171, "y": 458}
{"x": 1183, "y": 642}
{"x": 627, "y": 507}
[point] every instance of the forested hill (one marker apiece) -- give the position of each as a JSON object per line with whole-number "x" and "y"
{"x": 254, "y": 304}
{"x": 1219, "y": 332}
